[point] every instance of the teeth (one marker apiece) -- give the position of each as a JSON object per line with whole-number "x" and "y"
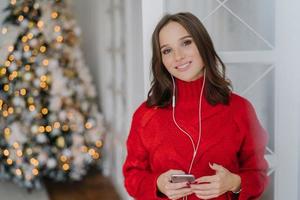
{"x": 183, "y": 66}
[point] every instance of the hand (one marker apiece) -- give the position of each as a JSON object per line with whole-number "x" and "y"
{"x": 208, "y": 187}
{"x": 172, "y": 190}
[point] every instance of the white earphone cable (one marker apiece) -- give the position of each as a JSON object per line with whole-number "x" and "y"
{"x": 195, "y": 148}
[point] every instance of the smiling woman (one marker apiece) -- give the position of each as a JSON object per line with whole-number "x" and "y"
{"x": 179, "y": 52}
{"x": 193, "y": 124}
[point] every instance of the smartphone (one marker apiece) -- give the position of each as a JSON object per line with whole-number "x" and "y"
{"x": 177, "y": 178}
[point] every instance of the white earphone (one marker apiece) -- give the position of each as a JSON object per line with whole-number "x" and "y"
{"x": 195, "y": 148}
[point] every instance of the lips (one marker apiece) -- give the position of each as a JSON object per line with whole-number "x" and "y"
{"x": 184, "y": 66}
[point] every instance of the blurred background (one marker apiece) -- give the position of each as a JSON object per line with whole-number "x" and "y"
{"x": 258, "y": 40}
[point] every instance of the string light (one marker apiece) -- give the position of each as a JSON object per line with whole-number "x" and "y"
{"x": 13, "y": 75}
{"x": 56, "y": 125}
{"x": 26, "y": 9}
{"x": 57, "y": 28}
{"x": 19, "y": 153}
{"x": 48, "y": 129}
{"x": 27, "y": 67}
{"x": 41, "y": 129}
{"x": 11, "y": 57}
{"x": 84, "y": 149}
{"x": 7, "y": 63}
{"x": 63, "y": 158}
{"x": 13, "y": 2}
{"x": 88, "y": 125}
{"x": 96, "y": 156}
{"x": 34, "y": 162}
{"x": 30, "y": 100}
{"x": 29, "y": 151}
{"x": 5, "y": 113}
{"x": 3, "y": 71}
{"x": 43, "y": 78}
{"x": 23, "y": 91}
{"x": 6, "y": 152}
{"x": 24, "y": 39}
{"x": 31, "y": 108}
{"x": 32, "y": 59}
{"x": 7, "y": 133}
{"x": 35, "y": 172}
{"x": 6, "y": 87}
{"x": 40, "y": 24}
{"x": 65, "y": 127}
{"x": 10, "y": 48}
{"x": 92, "y": 151}
{"x": 54, "y": 15}
{"x": 43, "y": 49}
{"x": 45, "y": 62}
{"x": 16, "y": 145}
{"x": 44, "y": 111}
{"x": 66, "y": 167}
{"x": 36, "y": 6}
{"x": 31, "y": 24}
{"x": 43, "y": 84}
{"x": 99, "y": 143}
{"x": 18, "y": 172}
{"x": 30, "y": 36}
{"x": 4, "y": 30}
{"x": 59, "y": 38}
{"x": 35, "y": 52}
{"x": 10, "y": 110}
{"x": 26, "y": 48}
{"x": 20, "y": 18}
{"x": 9, "y": 161}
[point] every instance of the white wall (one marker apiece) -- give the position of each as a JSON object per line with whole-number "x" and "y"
{"x": 89, "y": 17}
{"x": 288, "y": 95}
{"x": 113, "y": 49}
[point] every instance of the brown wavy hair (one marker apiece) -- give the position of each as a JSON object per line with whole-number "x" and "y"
{"x": 217, "y": 87}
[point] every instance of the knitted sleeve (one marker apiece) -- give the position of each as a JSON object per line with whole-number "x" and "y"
{"x": 140, "y": 181}
{"x": 253, "y": 166}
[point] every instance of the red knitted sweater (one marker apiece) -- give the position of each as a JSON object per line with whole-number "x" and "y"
{"x": 231, "y": 136}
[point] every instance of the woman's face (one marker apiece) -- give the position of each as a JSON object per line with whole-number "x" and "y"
{"x": 179, "y": 52}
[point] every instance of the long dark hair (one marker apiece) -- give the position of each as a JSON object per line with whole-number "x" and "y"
{"x": 217, "y": 88}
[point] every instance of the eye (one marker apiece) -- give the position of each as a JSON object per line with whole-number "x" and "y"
{"x": 166, "y": 51}
{"x": 187, "y": 42}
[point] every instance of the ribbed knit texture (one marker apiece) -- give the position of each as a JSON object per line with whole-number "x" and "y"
{"x": 231, "y": 136}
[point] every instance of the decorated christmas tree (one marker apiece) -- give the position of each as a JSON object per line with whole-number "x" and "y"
{"x": 50, "y": 125}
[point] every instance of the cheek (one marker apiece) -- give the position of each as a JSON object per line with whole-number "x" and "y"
{"x": 167, "y": 62}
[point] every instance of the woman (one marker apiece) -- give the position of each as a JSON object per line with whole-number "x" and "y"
{"x": 192, "y": 123}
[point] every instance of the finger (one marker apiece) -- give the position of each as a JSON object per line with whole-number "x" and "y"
{"x": 176, "y": 186}
{"x": 207, "y": 179}
{"x": 216, "y": 167}
{"x": 203, "y": 186}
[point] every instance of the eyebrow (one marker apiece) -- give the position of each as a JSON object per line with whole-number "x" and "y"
{"x": 182, "y": 38}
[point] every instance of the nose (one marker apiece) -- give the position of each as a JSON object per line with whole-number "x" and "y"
{"x": 178, "y": 54}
